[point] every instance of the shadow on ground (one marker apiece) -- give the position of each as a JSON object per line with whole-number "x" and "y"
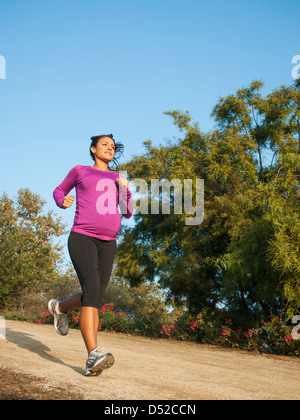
{"x": 25, "y": 341}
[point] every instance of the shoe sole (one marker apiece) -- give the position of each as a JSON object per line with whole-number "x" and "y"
{"x": 103, "y": 364}
{"x": 55, "y": 317}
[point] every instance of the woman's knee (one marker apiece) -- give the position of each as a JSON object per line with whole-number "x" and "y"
{"x": 91, "y": 301}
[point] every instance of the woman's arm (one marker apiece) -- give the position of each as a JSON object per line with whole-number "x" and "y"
{"x": 60, "y": 192}
{"x": 125, "y": 199}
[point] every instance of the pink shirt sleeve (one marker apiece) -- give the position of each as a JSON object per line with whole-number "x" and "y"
{"x": 125, "y": 202}
{"x": 66, "y": 186}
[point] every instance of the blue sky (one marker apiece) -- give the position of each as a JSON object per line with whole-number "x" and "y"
{"x": 76, "y": 69}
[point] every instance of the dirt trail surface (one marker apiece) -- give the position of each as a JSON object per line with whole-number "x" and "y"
{"x": 144, "y": 369}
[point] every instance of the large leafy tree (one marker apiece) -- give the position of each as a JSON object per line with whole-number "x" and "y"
{"x": 29, "y": 260}
{"x": 262, "y": 260}
{"x": 245, "y": 254}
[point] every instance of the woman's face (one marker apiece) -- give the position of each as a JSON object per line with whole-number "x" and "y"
{"x": 105, "y": 149}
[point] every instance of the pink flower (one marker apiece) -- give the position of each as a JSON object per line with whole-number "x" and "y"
{"x": 166, "y": 329}
{"x": 193, "y": 325}
{"x": 289, "y": 338}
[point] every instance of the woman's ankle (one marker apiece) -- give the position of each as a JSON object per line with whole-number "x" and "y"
{"x": 62, "y": 309}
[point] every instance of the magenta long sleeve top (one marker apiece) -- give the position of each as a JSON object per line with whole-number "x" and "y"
{"x": 97, "y": 199}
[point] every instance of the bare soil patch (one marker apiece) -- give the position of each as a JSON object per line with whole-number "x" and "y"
{"x": 37, "y": 363}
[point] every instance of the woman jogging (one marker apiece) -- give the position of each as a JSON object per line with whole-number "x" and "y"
{"x": 92, "y": 241}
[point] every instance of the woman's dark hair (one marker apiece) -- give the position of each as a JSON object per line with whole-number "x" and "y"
{"x": 119, "y": 148}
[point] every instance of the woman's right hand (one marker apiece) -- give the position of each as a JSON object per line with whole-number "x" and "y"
{"x": 68, "y": 201}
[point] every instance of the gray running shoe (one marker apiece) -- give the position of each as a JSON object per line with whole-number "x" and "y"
{"x": 61, "y": 323}
{"x": 98, "y": 361}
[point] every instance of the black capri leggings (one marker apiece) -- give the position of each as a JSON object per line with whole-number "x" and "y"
{"x": 92, "y": 259}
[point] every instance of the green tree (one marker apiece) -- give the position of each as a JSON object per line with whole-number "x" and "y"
{"x": 144, "y": 305}
{"x": 245, "y": 254}
{"x": 262, "y": 260}
{"x": 162, "y": 246}
{"x": 29, "y": 261}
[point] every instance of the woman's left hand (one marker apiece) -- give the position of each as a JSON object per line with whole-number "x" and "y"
{"x": 123, "y": 183}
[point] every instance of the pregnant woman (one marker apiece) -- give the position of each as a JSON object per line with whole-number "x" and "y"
{"x": 92, "y": 241}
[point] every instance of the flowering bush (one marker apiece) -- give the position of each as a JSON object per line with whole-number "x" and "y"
{"x": 44, "y": 317}
{"x": 270, "y": 336}
{"x": 273, "y": 336}
{"x": 167, "y": 330}
{"x": 110, "y": 320}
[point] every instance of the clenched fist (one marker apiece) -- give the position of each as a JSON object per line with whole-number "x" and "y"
{"x": 123, "y": 183}
{"x": 68, "y": 201}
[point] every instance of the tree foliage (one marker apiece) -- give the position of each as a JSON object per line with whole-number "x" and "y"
{"x": 245, "y": 255}
{"x": 29, "y": 261}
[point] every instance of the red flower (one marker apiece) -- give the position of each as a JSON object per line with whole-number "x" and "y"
{"x": 193, "y": 325}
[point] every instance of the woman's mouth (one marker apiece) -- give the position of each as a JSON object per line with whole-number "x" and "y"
{"x": 108, "y": 153}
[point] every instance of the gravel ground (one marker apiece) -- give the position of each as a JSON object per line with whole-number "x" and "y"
{"x": 37, "y": 363}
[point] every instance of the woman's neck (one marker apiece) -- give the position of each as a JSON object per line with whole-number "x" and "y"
{"x": 101, "y": 166}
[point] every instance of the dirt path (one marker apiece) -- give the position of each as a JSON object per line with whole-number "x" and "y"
{"x": 146, "y": 369}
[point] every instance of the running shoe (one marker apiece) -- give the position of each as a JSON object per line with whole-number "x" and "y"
{"x": 61, "y": 323}
{"x": 98, "y": 361}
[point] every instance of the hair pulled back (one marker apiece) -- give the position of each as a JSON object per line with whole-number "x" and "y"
{"x": 119, "y": 149}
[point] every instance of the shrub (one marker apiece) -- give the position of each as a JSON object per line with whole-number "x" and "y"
{"x": 272, "y": 336}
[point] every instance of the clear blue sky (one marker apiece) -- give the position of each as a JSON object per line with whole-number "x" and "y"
{"x": 80, "y": 68}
